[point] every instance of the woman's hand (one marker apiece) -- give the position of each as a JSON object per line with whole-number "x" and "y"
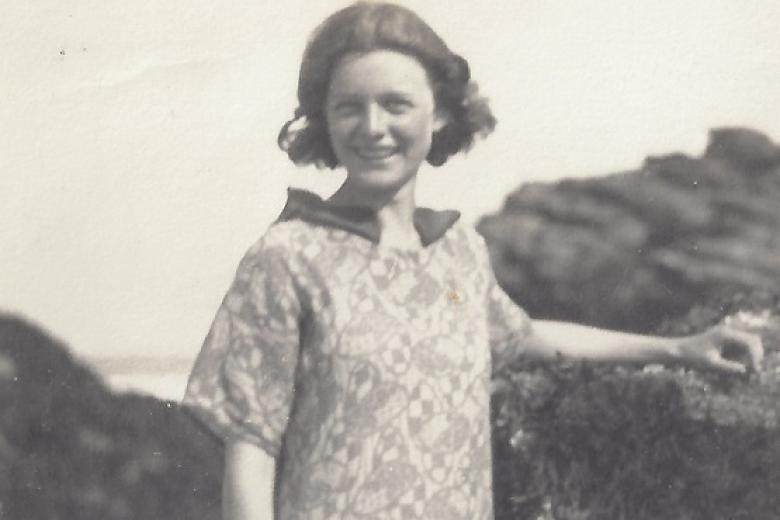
{"x": 722, "y": 348}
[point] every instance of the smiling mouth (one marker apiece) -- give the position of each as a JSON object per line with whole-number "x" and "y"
{"x": 375, "y": 154}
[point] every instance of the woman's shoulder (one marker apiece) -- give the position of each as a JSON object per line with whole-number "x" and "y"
{"x": 467, "y": 235}
{"x": 282, "y": 240}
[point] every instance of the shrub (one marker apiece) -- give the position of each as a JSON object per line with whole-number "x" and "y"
{"x": 592, "y": 442}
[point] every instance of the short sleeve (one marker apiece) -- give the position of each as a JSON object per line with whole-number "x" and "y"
{"x": 242, "y": 383}
{"x": 509, "y": 327}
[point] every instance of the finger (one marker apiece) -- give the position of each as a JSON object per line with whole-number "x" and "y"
{"x": 756, "y": 352}
{"x": 726, "y": 365}
{"x": 751, "y": 342}
{"x": 747, "y": 341}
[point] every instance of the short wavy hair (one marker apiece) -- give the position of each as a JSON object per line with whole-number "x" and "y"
{"x": 364, "y": 27}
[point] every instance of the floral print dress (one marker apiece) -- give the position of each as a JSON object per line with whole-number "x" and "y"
{"x": 365, "y": 370}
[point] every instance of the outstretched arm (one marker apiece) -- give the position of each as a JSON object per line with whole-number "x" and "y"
{"x": 706, "y": 350}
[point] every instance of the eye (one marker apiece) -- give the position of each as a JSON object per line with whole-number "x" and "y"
{"x": 397, "y": 105}
{"x": 346, "y": 108}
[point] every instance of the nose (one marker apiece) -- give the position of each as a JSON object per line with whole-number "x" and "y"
{"x": 374, "y": 120}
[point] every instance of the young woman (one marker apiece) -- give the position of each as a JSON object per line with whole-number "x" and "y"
{"x": 350, "y": 361}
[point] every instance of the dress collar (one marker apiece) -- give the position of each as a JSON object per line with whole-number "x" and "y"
{"x": 360, "y": 220}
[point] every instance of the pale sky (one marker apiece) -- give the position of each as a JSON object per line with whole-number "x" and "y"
{"x": 138, "y": 155}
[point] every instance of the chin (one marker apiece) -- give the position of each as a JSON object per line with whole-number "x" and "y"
{"x": 381, "y": 180}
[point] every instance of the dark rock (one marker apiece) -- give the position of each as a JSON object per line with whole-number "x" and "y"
{"x": 70, "y": 448}
{"x": 743, "y": 148}
{"x": 633, "y": 249}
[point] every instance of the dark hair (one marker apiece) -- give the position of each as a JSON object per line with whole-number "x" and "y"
{"x": 367, "y": 26}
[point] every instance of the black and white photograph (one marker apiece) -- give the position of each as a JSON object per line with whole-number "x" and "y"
{"x": 408, "y": 260}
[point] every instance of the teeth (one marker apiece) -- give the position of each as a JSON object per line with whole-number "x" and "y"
{"x": 376, "y": 153}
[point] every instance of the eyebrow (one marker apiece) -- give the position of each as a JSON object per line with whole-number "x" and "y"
{"x": 354, "y": 96}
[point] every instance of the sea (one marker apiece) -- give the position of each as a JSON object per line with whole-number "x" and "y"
{"x": 161, "y": 377}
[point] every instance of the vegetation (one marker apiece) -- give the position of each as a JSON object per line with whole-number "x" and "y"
{"x": 586, "y": 442}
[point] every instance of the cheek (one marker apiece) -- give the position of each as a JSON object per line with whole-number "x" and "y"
{"x": 417, "y": 132}
{"x": 338, "y": 132}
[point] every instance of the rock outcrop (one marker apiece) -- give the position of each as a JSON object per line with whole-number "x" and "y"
{"x": 71, "y": 449}
{"x": 632, "y": 249}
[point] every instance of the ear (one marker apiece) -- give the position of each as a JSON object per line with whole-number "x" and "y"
{"x": 440, "y": 119}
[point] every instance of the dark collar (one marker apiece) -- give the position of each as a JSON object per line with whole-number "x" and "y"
{"x": 307, "y": 206}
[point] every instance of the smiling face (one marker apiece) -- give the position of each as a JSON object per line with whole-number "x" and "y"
{"x": 381, "y": 116}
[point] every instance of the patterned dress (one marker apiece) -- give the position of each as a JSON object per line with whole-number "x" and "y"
{"x": 364, "y": 369}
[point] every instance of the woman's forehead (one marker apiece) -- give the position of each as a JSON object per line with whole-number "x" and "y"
{"x": 378, "y": 70}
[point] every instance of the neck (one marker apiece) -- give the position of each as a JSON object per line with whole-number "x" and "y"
{"x": 394, "y": 210}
